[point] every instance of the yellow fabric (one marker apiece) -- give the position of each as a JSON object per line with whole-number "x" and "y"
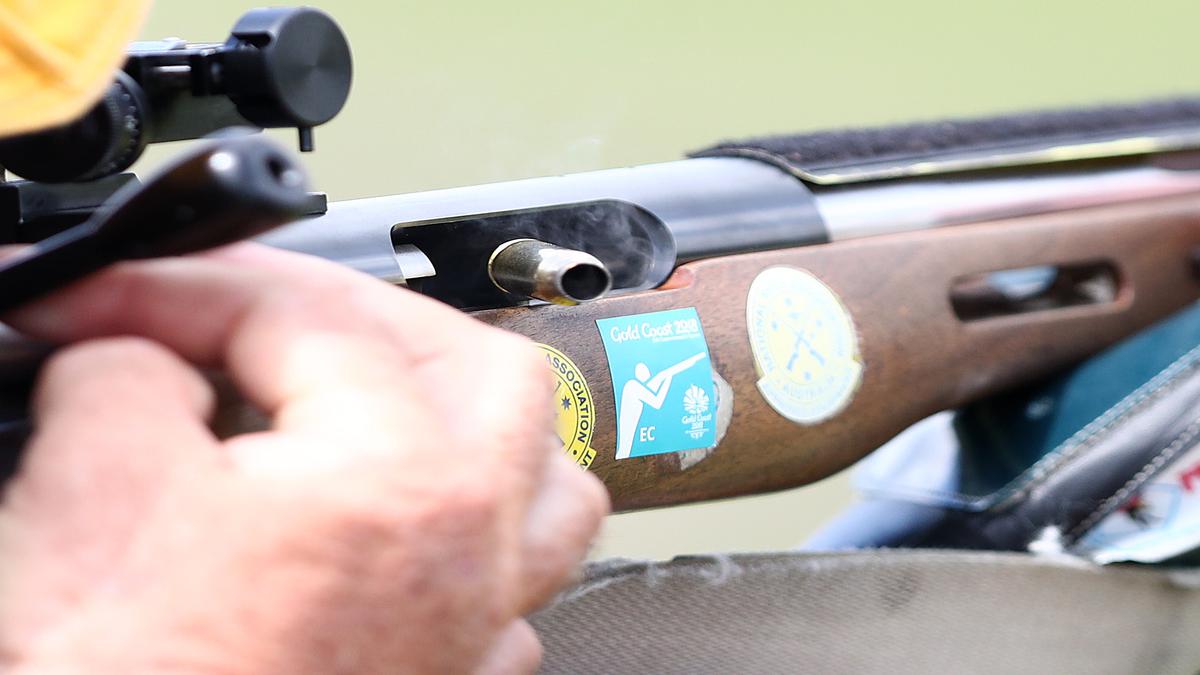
{"x": 57, "y": 56}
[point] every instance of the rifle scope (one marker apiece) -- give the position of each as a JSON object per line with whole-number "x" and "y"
{"x": 280, "y": 67}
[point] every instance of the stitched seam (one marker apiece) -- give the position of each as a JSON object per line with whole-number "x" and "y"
{"x": 1043, "y": 470}
{"x": 1140, "y": 398}
{"x": 1176, "y": 447}
{"x": 1080, "y": 440}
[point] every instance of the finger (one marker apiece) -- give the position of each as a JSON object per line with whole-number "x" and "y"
{"x": 496, "y": 379}
{"x": 516, "y": 651}
{"x": 118, "y": 422}
{"x": 193, "y": 304}
{"x": 498, "y": 398}
{"x": 108, "y": 412}
{"x": 562, "y": 522}
{"x": 324, "y": 349}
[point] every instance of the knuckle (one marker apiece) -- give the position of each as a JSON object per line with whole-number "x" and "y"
{"x": 591, "y": 506}
{"x": 86, "y": 366}
{"x": 514, "y": 347}
{"x": 596, "y": 501}
{"x": 526, "y": 369}
{"x": 519, "y": 414}
{"x": 116, "y": 353}
{"x": 527, "y": 651}
{"x": 561, "y": 539}
{"x": 109, "y": 368}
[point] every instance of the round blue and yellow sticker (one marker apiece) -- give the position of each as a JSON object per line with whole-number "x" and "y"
{"x": 574, "y": 416}
{"x": 804, "y": 344}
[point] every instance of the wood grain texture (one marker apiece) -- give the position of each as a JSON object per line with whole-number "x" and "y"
{"x": 919, "y": 358}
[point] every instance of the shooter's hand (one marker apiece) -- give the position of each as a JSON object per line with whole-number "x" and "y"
{"x": 409, "y": 505}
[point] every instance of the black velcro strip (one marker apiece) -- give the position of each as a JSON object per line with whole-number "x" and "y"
{"x": 830, "y": 151}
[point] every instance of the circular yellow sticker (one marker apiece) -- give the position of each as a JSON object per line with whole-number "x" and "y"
{"x": 804, "y": 344}
{"x": 574, "y": 416}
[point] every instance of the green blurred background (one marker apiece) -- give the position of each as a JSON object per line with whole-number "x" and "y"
{"x": 454, "y": 93}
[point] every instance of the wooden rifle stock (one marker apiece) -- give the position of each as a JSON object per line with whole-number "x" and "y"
{"x": 1096, "y": 210}
{"x": 918, "y": 356}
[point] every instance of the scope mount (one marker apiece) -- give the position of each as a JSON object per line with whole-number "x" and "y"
{"x": 280, "y": 67}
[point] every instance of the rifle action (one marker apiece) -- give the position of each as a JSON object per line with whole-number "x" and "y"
{"x": 837, "y": 286}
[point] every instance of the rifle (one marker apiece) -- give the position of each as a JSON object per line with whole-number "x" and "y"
{"x": 783, "y": 305}
{"x": 837, "y": 287}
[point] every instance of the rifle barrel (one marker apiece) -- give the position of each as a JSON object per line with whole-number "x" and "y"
{"x": 695, "y": 209}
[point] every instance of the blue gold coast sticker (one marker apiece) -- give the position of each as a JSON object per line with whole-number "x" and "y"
{"x": 574, "y": 417}
{"x": 662, "y": 382}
